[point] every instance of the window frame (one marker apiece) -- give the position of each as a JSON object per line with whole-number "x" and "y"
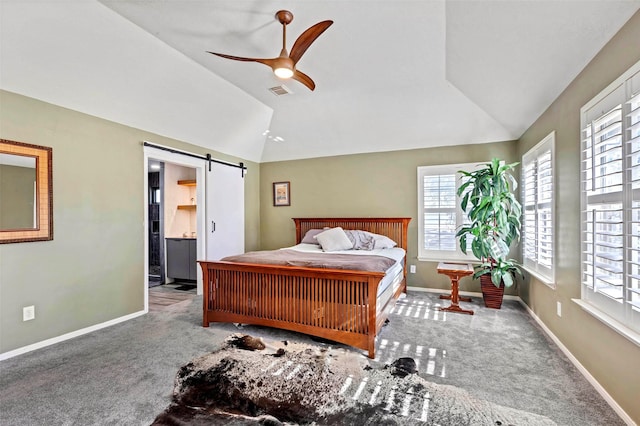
{"x": 534, "y": 266}
{"x": 442, "y": 255}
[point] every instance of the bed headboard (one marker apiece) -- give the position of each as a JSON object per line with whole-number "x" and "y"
{"x": 392, "y": 227}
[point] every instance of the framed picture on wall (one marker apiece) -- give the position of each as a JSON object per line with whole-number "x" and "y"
{"x": 281, "y": 194}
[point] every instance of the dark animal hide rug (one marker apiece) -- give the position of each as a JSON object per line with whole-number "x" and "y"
{"x": 251, "y": 382}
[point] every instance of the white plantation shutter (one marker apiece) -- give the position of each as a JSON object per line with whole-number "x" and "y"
{"x": 538, "y": 210}
{"x": 439, "y": 204}
{"x": 610, "y": 179}
{"x": 439, "y": 212}
{"x": 633, "y": 191}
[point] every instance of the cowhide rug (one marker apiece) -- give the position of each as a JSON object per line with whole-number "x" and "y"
{"x": 251, "y": 382}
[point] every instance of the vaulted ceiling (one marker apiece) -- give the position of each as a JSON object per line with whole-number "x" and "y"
{"x": 390, "y": 75}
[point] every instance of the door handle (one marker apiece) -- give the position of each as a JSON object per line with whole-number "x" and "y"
{"x": 213, "y": 227}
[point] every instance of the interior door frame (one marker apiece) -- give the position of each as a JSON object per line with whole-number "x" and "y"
{"x": 151, "y": 153}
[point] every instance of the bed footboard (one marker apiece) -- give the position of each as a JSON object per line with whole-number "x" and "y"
{"x": 338, "y": 305}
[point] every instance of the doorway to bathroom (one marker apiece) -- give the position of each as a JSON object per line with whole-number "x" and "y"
{"x": 155, "y": 213}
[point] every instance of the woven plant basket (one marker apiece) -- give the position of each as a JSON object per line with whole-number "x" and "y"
{"x": 491, "y": 294}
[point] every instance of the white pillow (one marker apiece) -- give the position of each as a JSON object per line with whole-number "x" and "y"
{"x": 334, "y": 239}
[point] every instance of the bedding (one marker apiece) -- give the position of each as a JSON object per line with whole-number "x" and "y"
{"x": 314, "y": 260}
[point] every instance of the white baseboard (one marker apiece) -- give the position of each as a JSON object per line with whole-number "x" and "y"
{"x": 461, "y": 293}
{"x": 603, "y": 393}
{"x": 58, "y": 339}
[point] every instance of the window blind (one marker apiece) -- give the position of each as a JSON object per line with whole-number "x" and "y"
{"x": 633, "y": 191}
{"x": 538, "y": 209}
{"x": 610, "y": 179}
{"x": 439, "y": 212}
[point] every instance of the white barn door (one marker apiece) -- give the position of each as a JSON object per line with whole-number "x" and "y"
{"x": 224, "y": 211}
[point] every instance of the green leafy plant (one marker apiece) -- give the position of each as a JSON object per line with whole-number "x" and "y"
{"x": 494, "y": 214}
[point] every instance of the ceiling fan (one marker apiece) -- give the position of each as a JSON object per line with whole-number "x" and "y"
{"x": 284, "y": 66}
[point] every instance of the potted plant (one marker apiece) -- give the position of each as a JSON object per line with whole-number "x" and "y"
{"x": 494, "y": 223}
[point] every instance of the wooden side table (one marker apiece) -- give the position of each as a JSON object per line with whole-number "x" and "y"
{"x": 455, "y": 271}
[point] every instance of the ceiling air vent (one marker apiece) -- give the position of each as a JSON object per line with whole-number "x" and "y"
{"x": 280, "y": 90}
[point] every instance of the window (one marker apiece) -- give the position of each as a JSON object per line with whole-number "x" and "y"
{"x": 610, "y": 179}
{"x": 439, "y": 212}
{"x": 538, "y": 210}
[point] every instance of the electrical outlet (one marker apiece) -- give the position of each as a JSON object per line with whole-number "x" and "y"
{"x": 412, "y": 269}
{"x": 28, "y": 313}
{"x": 559, "y": 308}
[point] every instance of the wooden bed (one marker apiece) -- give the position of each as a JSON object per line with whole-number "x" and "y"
{"x": 334, "y": 304}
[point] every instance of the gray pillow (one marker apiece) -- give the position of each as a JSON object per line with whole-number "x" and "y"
{"x": 381, "y": 241}
{"x": 334, "y": 239}
{"x": 310, "y": 236}
{"x": 360, "y": 240}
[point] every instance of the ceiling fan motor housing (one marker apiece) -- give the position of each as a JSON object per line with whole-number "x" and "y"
{"x": 284, "y": 17}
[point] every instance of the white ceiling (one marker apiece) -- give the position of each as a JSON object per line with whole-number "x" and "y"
{"x": 390, "y": 74}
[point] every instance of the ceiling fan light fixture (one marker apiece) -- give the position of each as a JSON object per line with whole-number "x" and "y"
{"x": 283, "y": 67}
{"x": 283, "y": 72}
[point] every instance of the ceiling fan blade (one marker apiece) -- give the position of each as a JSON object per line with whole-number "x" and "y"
{"x": 267, "y": 62}
{"x": 306, "y": 38}
{"x": 304, "y": 79}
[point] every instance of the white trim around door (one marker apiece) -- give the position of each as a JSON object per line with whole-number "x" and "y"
{"x": 199, "y": 165}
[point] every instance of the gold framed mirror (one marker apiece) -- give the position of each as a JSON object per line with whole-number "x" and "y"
{"x": 26, "y": 192}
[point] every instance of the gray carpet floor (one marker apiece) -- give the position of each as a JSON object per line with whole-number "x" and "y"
{"x": 124, "y": 375}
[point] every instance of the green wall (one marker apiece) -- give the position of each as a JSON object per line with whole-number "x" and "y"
{"x": 366, "y": 185}
{"x": 93, "y": 270}
{"x": 609, "y": 357}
